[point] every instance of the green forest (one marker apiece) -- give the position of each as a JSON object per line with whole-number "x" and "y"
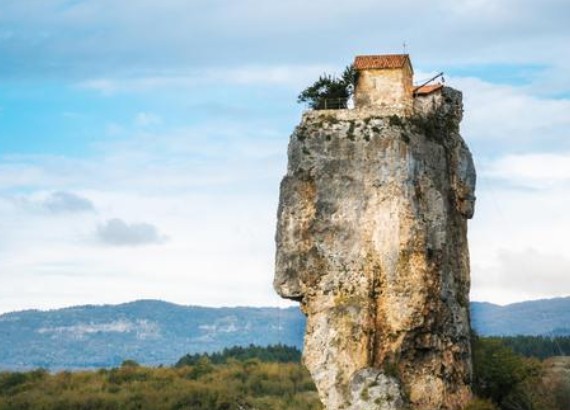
{"x": 540, "y": 347}
{"x": 233, "y": 384}
{"x": 246, "y": 378}
{"x": 507, "y": 380}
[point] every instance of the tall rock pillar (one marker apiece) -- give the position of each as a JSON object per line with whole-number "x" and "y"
{"x": 372, "y": 240}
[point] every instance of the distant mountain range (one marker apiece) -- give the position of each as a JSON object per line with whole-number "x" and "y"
{"x": 548, "y": 317}
{"x": 155, "y": 332}
{"x": 148, "y": 331}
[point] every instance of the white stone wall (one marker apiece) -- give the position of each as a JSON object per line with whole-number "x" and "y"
{"x": 385, "y": 90}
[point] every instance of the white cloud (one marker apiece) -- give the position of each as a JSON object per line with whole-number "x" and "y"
{"x": 219, "y": 252}
{"x": 114, "y": 129}
{"x": 503, "y": 114}
{"x": 147, "y": 119}
{"x": 57, "y": 203}
{"x": 63, "y": 202}
{"x": 86, "y": 41}
{"x": 537, "y": 171}
{"x": 104, "y": 86}
{"x": 522, "y": 275}
{"x": 518, "y": 236}
{"x": 241, "y": 75}
{"x": 213, "y": 188}
{"x": 116, "y": 232}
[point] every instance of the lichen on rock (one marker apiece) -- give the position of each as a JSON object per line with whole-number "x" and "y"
{"x": 372, "y": 240}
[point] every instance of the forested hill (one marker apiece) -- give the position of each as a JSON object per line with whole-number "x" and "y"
{"x": 148, "y": 331}
{"x": 547, "y": 317}
{"x": 154, "y": 332}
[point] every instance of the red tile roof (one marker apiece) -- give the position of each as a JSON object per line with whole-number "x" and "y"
{"x": 427, "y": 89}
{"x": 381, "y": 61}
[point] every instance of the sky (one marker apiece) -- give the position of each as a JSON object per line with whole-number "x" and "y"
{"x": 142, "y": 142}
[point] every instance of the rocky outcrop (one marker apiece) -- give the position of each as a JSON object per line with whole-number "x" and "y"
{"x": 371, "y": 239}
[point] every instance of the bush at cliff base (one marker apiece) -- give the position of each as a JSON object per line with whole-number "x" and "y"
{"x": 481, "y": 404}
{"x": 509, "y": 381}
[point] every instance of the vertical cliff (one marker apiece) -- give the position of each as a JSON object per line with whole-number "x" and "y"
{"x": 372, "y": 240}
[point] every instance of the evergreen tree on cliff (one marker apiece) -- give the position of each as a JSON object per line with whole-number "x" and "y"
{"x": 329, "y": 92}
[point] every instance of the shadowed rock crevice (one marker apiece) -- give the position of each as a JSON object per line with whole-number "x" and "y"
{"x": 372, "y": 240}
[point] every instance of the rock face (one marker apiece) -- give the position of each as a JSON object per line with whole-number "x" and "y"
{"x": 371, "y": 239}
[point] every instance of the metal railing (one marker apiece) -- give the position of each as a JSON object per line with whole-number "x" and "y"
{"x": 332, "y": 104}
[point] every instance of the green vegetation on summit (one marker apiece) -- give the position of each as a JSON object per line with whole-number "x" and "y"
{"x": 330, "y": 92}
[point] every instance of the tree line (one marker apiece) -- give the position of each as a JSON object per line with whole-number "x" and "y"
{"x": 275, "y": 353}
{"x": 540, "y": 347}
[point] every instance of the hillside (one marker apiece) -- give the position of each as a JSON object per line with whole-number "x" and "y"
{"x": 549, "y": 317}
{"x": 154, "y": 332}
{"x": 151, "y": 332}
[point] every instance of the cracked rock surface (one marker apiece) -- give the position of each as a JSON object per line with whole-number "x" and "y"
{"x": 372, "y": 240}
